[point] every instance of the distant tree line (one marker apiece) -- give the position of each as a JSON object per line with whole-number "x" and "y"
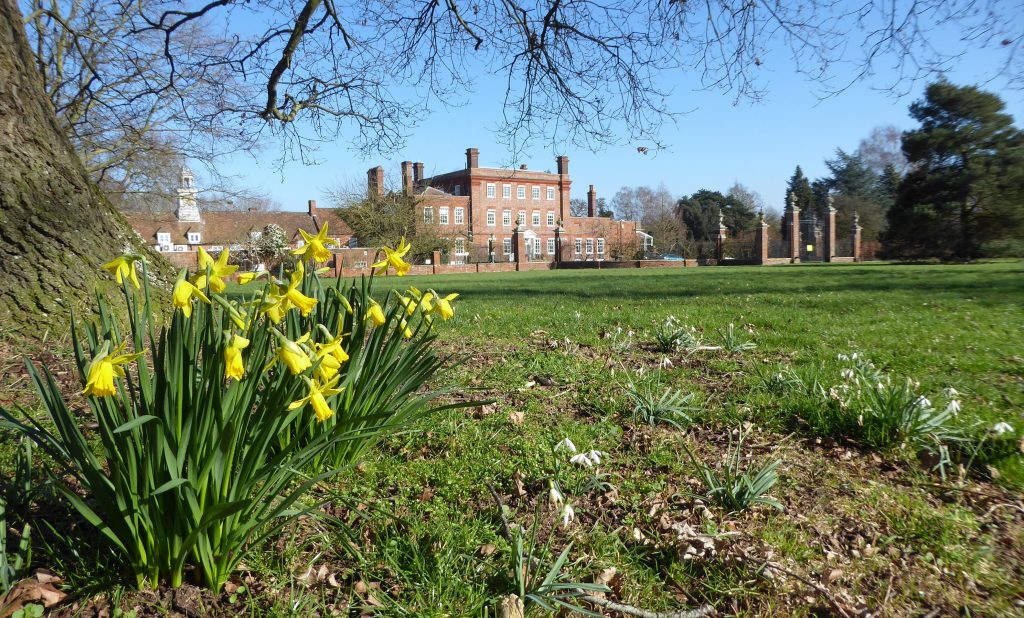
{"x": 951, "y": 189}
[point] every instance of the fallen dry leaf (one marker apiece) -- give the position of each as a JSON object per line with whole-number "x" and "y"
{"x": 39, "y": 589}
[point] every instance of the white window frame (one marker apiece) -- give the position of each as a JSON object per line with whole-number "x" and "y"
{"x": 506, "y": 192}
{"x": 460, "y": 215}
{"x": 521, "y": 219}
{"x": 163, "y": 238}
{"x": 193, "y": 238}
{"x": 491, "y": 191}
{"x": 600, "y": 246}
{"x": 442, "y": 215}
{"x": 506, "y": 217}
{"x": 550, "y": 218}
{"x": 490, "y": 217}
{"x": 535, "y": 193}
{"x": 521, "y": 192}
{"x": 428, "y": 214}
{"x": 535, "y": 218}
{"x": 590, "y": 246}
{"x": 551, "y": 194}
{"x": 551, "y": 246}
{"x": 460, "y": 246}
{"x": 506, "y": 246}
{"x": 578, "y": 245}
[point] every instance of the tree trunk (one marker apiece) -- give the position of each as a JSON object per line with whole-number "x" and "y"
{"x": 56, "y": 228}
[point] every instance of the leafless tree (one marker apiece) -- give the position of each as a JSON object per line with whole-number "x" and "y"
{"x": 882, "y": 148}
{"x": 580, "y": 72}
{"x": 131, "y": 126}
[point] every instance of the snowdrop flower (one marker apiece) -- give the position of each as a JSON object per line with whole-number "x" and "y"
{"x": 953, "y": 407}
{"x": 567, "y": 444}
{"x": 595, "y": 456}
{"x": 923, "y": 402}
{"x": 854, "y": 356}
{"x": 1002, "y": 427}
{"x": 843, "y": 357}
{"x": 666, "y": 363}
{"x": 554, "y": 495}
{"x": 847, "y": 374}
{"x": 568, "y": 514}
{"x": 952, "y": 392}
{"x": 581, "y": 460}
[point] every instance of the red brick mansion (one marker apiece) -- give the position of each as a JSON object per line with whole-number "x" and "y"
{"x": 479, "y": 209}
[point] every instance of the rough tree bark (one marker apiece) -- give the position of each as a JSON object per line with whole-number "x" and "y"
{"x": 56, "y": 228}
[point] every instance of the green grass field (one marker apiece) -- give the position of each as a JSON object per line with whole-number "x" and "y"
{"x": 867, "y": 524}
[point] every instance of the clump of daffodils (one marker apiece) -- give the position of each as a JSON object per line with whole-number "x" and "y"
{"x": 205, "y": 424}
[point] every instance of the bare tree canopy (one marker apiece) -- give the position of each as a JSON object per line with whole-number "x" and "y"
{"x": 107, "y": 79}
{"x": 883, "y": 148}
{"x": 577, "y": 72}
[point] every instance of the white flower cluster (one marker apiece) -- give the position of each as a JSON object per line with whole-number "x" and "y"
{"x": 586, "y": 459}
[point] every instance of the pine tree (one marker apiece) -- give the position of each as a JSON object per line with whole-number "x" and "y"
{"x": 799, "y": 186}
{"x": 966, "y": 187}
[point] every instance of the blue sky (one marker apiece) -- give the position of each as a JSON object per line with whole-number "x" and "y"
{"x": 711, "y": 146}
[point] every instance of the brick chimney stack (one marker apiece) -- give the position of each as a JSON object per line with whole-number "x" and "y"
{"x": 591, "y": 202}
{"x": 375, "y": 181}
{"x": 407, "y": 177}
{"x": 472, "y": 158}
{"x": 417, "y": 172}
{"x": 563, "y": 165}
{"x": 312, "y": 208}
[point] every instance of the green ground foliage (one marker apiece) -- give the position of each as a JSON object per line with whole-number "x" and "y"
{"x": 900, "y": 508}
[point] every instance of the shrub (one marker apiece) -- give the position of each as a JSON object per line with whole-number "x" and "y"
{"x": 211, "y": 430}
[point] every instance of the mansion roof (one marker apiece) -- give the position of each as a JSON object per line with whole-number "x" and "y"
{"x": 232, "y": 227}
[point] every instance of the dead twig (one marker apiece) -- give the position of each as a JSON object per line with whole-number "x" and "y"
{"x": 629, "y": 610}
{"x": 505, "y": 528}
{"x": 821, "y": 589}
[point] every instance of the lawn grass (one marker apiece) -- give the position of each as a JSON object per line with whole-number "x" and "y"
{"x": 554, "y": 352}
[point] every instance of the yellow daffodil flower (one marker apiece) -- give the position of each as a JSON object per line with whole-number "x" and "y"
{"x": 244, "y": 278}
{"x": 124, "y": 265}
{"x": 410, "y": 304}
{"x": 292, "y": 355}
{"x": 443, "y": 307}
{"x": 317, "y": 398}
{"x": 393, "y": 257}
{"x": 315, "y": 249}
{"x": 217, "y": 269}
{"x": 294, "y": 296}
{"x": 405, "y": 329}
{"x": 233, "y": 365}
{"x": 375, "y": 313}
{"x": 104, "y": 367}
{"x": 183, "y": 292}
{"x": 274, "y": 305}
{"x": 331, "y": 357}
